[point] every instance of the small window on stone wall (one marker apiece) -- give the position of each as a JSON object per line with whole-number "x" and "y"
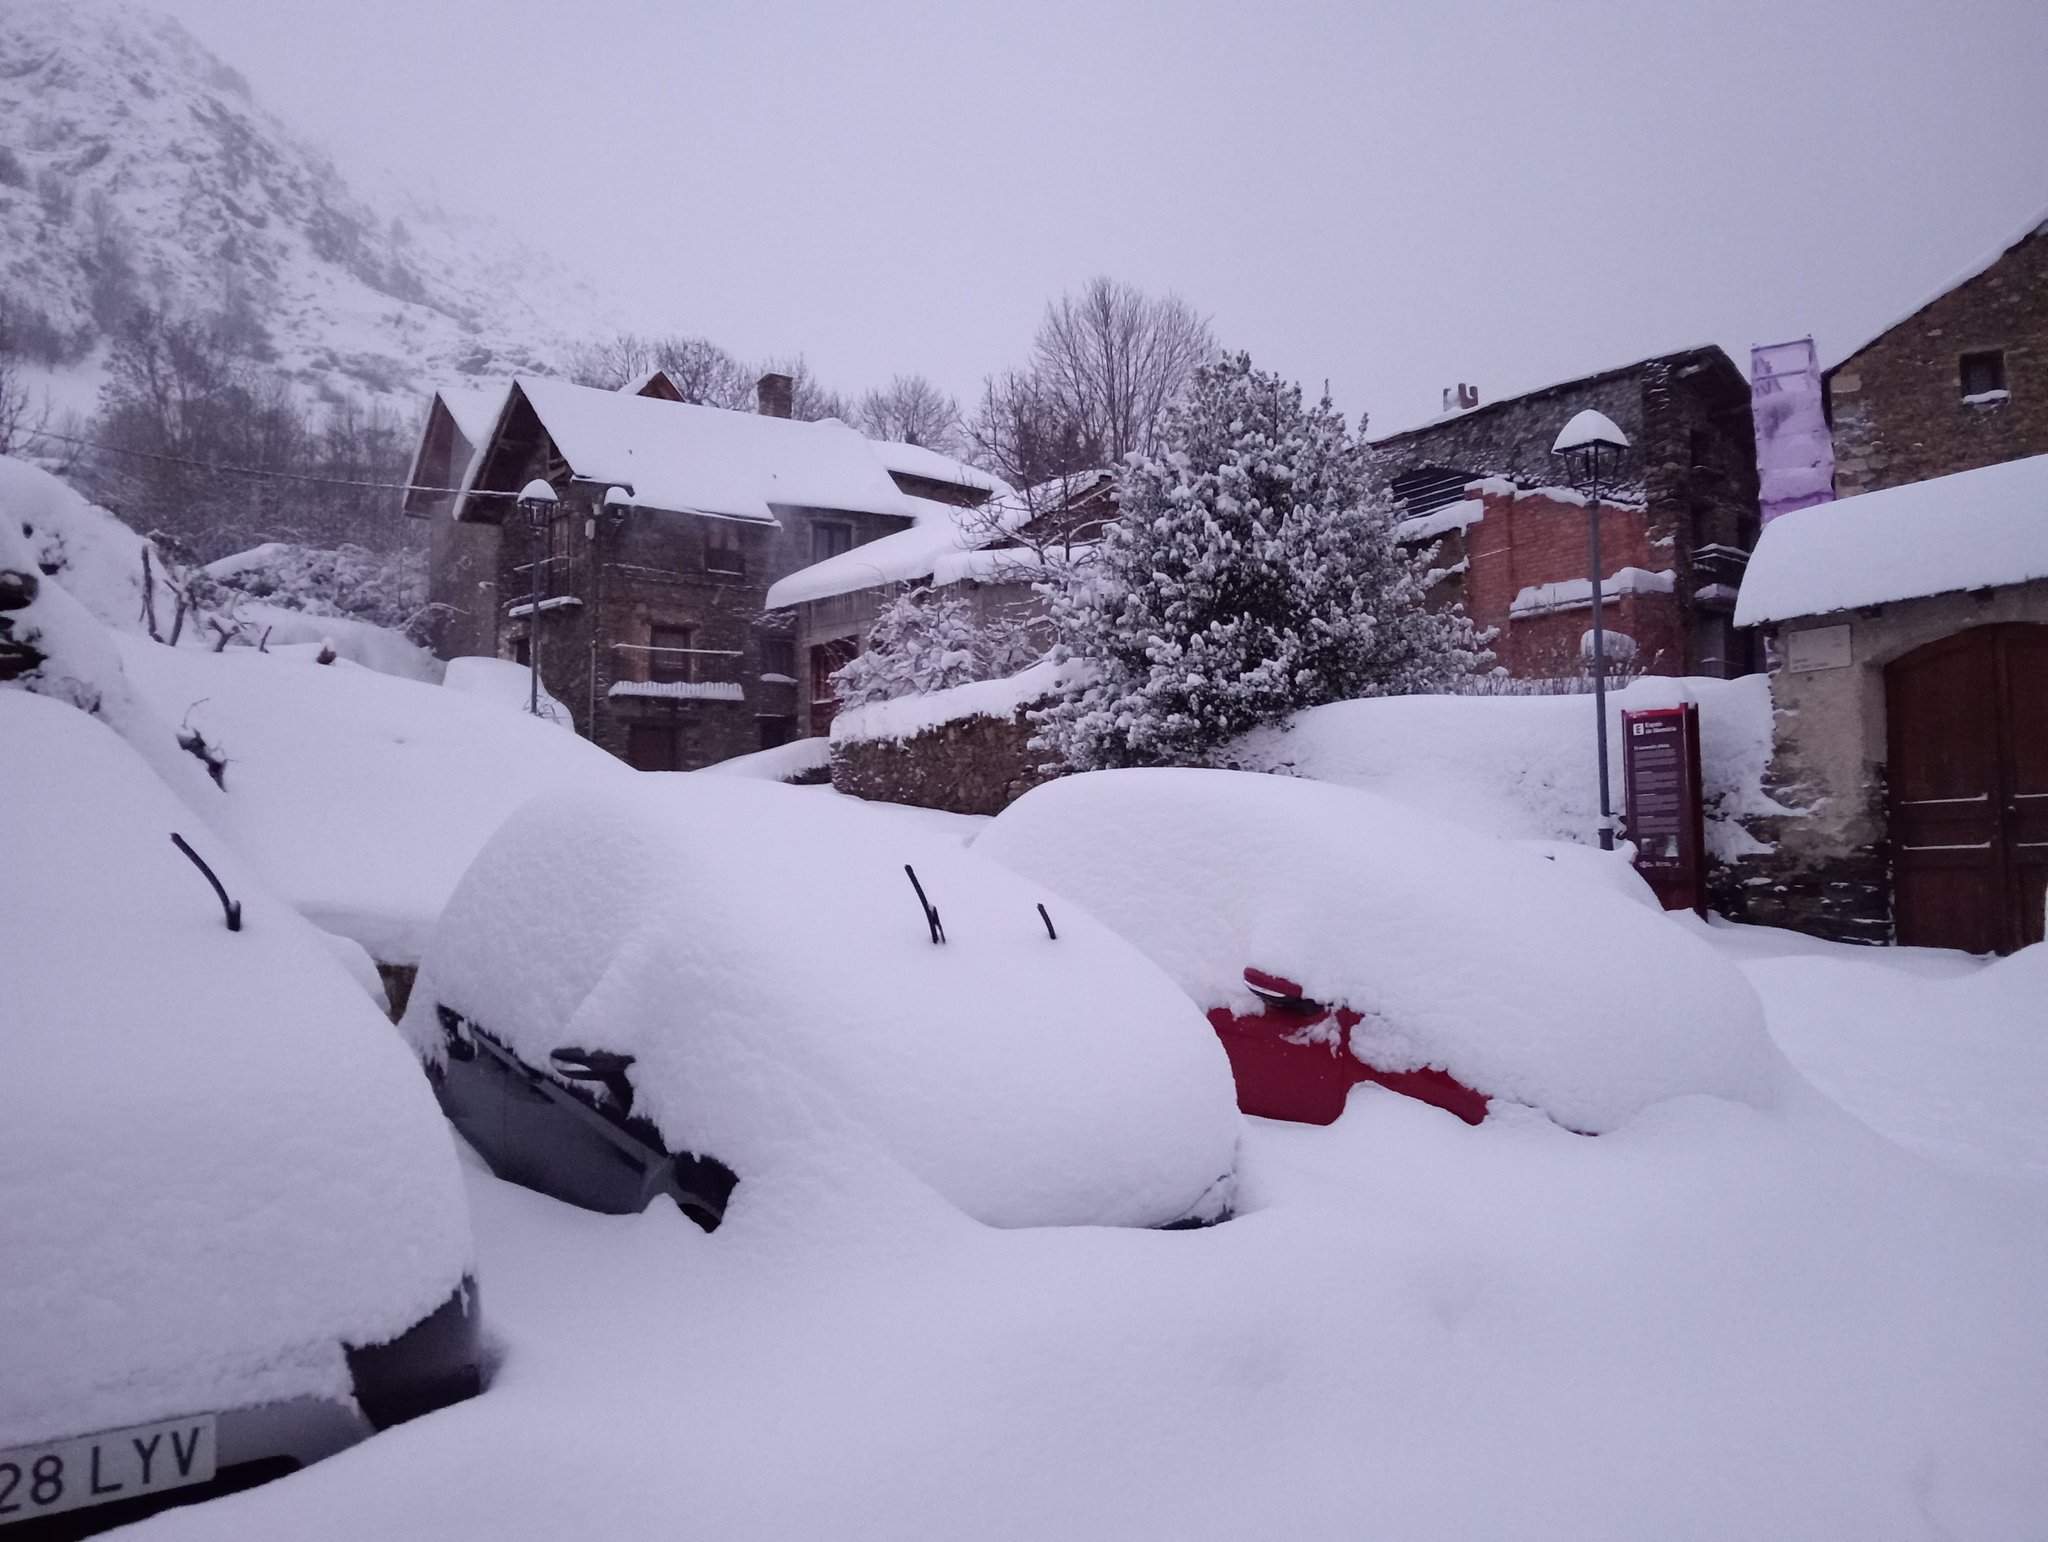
{"x": 778, "y": 656}
{"x": 1983, "y": 373}
{"x": 668, "y": 653}
{"x": 722, "y": 552}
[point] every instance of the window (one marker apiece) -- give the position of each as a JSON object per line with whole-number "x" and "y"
{"x": 668, "y": 653}
{"x": 777, "y": 730}
{"x": 778, "y": 656}
{"x": 827, "y": 659}
{"x": 654, "y": 747}
{"x": 522, "y": 652}
{"x": 722, "y": 552}
{"x": 1983, "y": 372}
{"x": 830, "y": 537}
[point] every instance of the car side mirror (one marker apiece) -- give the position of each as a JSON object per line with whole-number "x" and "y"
{"x": 604, "y": 1066}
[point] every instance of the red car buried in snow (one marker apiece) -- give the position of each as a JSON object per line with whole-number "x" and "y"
{"x": 1336, "y": 938}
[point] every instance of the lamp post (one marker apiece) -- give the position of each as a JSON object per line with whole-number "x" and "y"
{"x": 537, "y": 501}
{"x": 1581, "y": 444}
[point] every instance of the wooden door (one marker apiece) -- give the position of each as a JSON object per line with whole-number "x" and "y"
{"x": 1968, "y": 770}
{"x": 2026, "y": 827}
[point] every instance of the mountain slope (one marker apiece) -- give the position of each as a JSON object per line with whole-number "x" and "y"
{"x": 137, "y": 169}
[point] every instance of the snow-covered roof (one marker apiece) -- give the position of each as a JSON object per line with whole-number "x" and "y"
{"x": 2037, "y": 226}
{"x": 475, "y": 408}
{"x": 1437, "y": 420}
{"x": 707, "y": 460}
{"x": 1970, "y": 530}
{"x": 915, "y": 460}
{"x": 1452, "y": 516}
{"x": 942, "y": 531}
{"x": 1570, "y": 593}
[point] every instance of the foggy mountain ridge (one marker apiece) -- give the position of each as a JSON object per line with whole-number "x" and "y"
{"x": 137, "y": 169}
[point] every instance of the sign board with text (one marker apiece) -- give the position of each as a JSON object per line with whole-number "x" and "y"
{"x": 1666, "y": 806}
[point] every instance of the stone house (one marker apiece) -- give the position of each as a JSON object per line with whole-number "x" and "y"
{"x": 1961, "y": 382}
{"x": 1909, "y": 661}
{"x": 644, "y": 588}
{"x": 990, "y": 548}
{"x": 1676, "y": 529}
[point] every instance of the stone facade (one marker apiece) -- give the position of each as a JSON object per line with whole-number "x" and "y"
{"x": 619, "y": 589}
{"x": 1829, "y": 872}
{"x": 1689, "y": 475}
{"x": 1902, "y": 405}
{"x": 972, "y": 765}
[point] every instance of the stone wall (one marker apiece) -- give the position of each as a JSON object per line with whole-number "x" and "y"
{"x": 1897, "y": 405}
{"x": 972, "y": 765}
{"x": 1829, "y": 872}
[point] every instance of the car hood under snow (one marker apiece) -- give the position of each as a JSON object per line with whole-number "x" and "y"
{"x": 760, "y": 952}
{"x": 217, "y": 1161}
{"x": 1500, "y": 965}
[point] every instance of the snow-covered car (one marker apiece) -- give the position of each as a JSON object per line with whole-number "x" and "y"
{"x": 233, "y": 1232}
{"x": 655, "y": 989}
{"x": 1366, "y": 941}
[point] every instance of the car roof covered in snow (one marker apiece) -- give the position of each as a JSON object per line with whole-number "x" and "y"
{"x": 763, "y": 955}
{"x": 1970, "y": 530}
{"x": 217, "y": 1160}
{"x": 1504, "y": 968}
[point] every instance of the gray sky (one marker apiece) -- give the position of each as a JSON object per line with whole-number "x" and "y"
{"x": 1394, "y": 197}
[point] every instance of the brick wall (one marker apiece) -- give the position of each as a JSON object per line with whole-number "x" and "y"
{"x": 1690, "y": 470}
{"x": 1897, "y": 406}
{"x": 1529, "y": 538}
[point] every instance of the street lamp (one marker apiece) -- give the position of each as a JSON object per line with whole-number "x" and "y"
{"x": 1584, "y": 443}
{"x": 537, "y": 501}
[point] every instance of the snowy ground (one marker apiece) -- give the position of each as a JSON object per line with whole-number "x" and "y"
{"x": 1713, "y": 1323}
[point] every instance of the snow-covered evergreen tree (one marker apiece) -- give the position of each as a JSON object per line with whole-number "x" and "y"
{"x": 1252, "y": 571}
{"x": 927, "y": 640}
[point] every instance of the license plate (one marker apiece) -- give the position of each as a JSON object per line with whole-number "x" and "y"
{"x": 99, "y": 1469}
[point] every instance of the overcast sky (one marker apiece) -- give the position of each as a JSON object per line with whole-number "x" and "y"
{"x": 1392, "y": 197}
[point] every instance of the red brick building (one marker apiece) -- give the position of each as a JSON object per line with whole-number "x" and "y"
{"x": 1676, "y": 529}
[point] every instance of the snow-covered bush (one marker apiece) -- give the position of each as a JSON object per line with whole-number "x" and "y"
{"x": 927, "y": 640}
{"x": 1252, "y": 572}
{"x": 387, "y": 589}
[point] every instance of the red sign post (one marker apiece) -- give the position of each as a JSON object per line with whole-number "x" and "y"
{"x": 1666, "y": 806}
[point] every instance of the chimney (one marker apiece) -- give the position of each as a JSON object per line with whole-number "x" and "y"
{"x": 1460, "y": 398}
{"x": 774, "y": 393}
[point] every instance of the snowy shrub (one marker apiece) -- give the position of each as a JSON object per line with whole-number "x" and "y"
{"x": 1252, "y": 572}
{"x": 927, "y": 640}
{"x": 387, "y": 589}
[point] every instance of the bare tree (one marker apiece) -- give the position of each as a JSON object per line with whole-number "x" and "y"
{"x": 1023, "y": 434}
{"x": 703, "y": 371}
{"x": 914, "y": 411}
{"x": 20, "y": 419}
{"x": 1112, "y": 357}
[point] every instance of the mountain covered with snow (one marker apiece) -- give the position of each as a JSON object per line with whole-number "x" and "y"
{"x": 137, "y": 169}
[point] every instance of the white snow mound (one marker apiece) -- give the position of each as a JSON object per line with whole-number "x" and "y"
{"x": 1521, "y": 979}
{"x": 217, "y": 1161}
{"x": 760, "y": 951}
{"x": 360, "y": 797}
